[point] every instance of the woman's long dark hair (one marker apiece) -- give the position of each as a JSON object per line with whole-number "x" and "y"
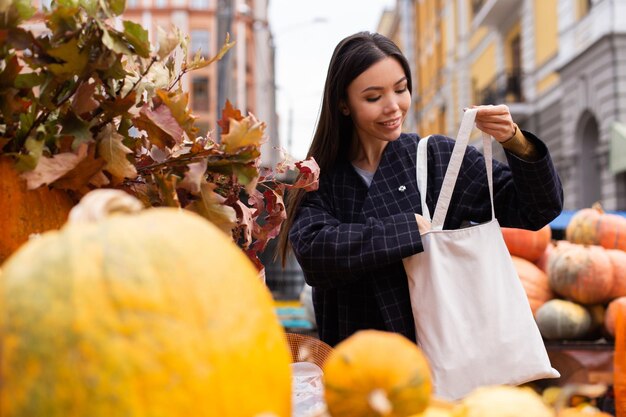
{"x": 334, "y": 133}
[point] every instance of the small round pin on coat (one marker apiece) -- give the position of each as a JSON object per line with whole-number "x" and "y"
{"x": 401, "y": 188}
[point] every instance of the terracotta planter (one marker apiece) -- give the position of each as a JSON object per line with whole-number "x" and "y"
{"x": 24, "y": 212}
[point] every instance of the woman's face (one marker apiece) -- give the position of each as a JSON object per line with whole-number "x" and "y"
{"x": 378, "y": 100}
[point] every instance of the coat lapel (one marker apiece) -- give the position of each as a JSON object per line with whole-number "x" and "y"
{"x": 394, "y": 187}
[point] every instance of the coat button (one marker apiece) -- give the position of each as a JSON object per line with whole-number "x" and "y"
{"x": 401, "y": 188}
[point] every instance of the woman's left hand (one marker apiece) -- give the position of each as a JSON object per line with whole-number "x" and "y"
{"x": 495, "y": 121}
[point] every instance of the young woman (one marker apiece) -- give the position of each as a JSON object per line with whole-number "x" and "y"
{"x": 351, "y": 235}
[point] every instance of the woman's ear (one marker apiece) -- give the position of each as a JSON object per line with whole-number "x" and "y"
{"x": 345, "y": 110}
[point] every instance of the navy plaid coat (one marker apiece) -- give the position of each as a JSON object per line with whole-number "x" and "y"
{"x": 350, "y": 239}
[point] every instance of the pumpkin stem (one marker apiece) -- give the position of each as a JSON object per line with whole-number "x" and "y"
{"x": 379, "y": 402}
{"x": 101, "y": 203}
{"x": 597, "y": 206}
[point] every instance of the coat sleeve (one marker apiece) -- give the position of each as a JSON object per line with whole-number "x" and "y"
{"x": 332, "y": 253}
{"x": 527, "y": 195}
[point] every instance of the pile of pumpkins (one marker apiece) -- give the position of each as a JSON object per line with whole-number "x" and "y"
{"x": 574, "y": 285}
{"x": 157, "y": 313}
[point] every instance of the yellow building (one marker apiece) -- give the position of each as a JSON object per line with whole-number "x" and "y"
{"x": 555, "y": 63}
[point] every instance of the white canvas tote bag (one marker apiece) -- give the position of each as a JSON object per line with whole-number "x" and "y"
{"x": 472, "y": 317}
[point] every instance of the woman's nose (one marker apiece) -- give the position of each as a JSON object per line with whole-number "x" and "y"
{"x": 391, "y": 105}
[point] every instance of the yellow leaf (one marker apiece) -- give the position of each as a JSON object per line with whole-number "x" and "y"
{"x": 212, "y": 208}
{"x": 113, "y": 151}
{"x": 75, "y": 58}
{"x": 168, "y": 41}
{"x": 247, "y": 132}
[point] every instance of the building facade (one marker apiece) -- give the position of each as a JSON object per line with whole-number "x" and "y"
{"x": 557, "y": 64}
{"x": 245, "y": 75}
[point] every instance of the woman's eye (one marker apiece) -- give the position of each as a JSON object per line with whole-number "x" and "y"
{"x": 401, "y": 90}
{"x": 372, "y": 99}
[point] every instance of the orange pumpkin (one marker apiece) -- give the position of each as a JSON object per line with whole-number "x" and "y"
{"x": 542, "y": 262}
{"x": 612, "y": 231}
{"x": 534, "y": 281}
{"x": 611, "y": 314}
{"x": 581, "y": 273}
{"x": 618, "y": 261}
{"x": 25, "y": 212}
{"x": 583, "y": 226}
{"x": 376, "y": 373}
{"x": 527, "y": 244}
{"x": 592, "y": 226}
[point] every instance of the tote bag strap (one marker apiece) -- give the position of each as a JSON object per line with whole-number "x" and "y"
{"x": 421, "y": 172}
{"x": 445, "y": 195}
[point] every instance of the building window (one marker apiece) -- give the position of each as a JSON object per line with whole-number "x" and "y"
{"x": 160, "y": 3}
{"x": 131, "y": 4}
{"x": 200, "y": 93}
{"x": 200, "y": 4}
{"x": 200, "y": 41}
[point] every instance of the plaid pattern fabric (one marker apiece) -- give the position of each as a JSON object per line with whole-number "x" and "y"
{"x": 350, "y": 240}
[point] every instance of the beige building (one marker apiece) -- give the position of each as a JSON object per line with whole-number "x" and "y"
{"x": 245, "y": 75}
{"x": 558, "y": 65}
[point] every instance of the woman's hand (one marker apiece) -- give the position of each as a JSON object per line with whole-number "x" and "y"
{"x": 422, "y": 224}
{"x": 496, "y": 121}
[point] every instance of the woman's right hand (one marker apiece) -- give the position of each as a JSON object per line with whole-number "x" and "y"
{"x": 422, "y": 224}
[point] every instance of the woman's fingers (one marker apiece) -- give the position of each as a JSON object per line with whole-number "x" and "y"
{"x": 495, "y": 121}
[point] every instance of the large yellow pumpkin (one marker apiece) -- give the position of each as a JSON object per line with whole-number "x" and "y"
{"x": 375, "y": 373}
{"x": 155, "y": 314}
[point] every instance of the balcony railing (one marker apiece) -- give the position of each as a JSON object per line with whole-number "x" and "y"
{"x": 506, "y": 87}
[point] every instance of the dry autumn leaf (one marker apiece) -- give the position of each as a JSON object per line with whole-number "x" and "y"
{"x": 211, "y": 206}
{"x": 194, "y": 177}
{"x": 49, "y": 170}
{"x": 309, "y": 175}
{"x": 113, "y": 151}
{"x": 247, "y": 132}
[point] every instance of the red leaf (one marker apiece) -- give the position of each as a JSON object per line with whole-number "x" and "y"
{"x": 83, "y": 101}
{"x": 228, "y": 113}
{"x": 276, "y": 214}
{"x": 257, "y": 201}
{"x": 309, "y": 176}
{"x": 162, "y": 128}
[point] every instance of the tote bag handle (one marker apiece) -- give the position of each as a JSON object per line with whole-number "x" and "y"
{"x": 452, "y": 172}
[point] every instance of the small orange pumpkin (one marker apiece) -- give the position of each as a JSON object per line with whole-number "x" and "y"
{"x": 25, "y": 212}
{"x": 527, "y": 244}
{"x": 534, "y": 281}
{"x": 581, "y": 273}
{"x": 376, "y": 373}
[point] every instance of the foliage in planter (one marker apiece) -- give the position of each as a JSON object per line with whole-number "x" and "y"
{"x": 86, "y": 105}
